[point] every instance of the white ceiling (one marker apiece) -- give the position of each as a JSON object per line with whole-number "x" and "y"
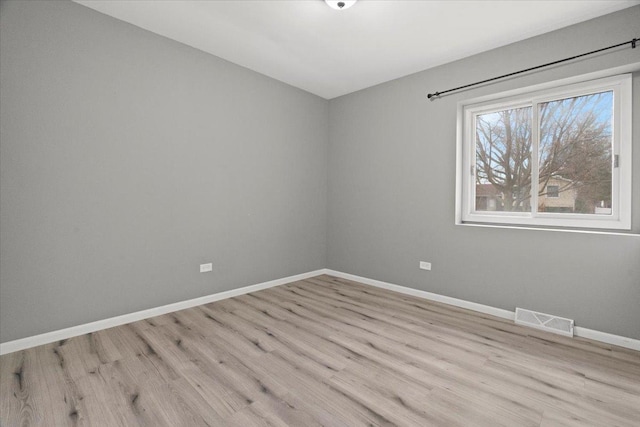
{"x": 330, "y": 53}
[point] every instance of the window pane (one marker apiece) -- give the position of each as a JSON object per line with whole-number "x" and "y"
{"x": 575, "y": 155}
{"x": 503, "y": 160}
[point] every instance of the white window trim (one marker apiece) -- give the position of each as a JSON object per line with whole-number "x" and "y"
{"x": 620, "y": 219}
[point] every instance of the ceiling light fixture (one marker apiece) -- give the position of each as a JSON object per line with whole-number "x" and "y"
{"x": 340, "y": 4}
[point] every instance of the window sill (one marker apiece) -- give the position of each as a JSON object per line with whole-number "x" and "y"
{"x": 562, "y": 230}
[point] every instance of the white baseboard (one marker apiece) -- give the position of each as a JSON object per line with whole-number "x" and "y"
{"x": 74, "y": 331}
{"x": 505, "y": 314}
{"x": 592, "y": 334}
{"x": 49, "y": 337}
{"x": 605, "y": 337}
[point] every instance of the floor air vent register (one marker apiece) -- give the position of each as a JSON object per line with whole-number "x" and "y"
{"x": 546, "y": 322}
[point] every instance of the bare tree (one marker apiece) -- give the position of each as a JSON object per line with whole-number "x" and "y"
{"x": 575, "y": 145}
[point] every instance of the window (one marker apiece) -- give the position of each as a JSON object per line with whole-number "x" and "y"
{"x": 553, "y": 190}
{"x": 559, "y": 157}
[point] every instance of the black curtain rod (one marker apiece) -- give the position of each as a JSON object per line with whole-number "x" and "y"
{"x": 633, "y": 43}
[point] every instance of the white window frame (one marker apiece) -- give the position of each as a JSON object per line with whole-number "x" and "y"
{"x": 620, "y": 217}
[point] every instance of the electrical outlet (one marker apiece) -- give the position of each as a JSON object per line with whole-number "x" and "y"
{"x": 425, "y": 265}
{"x": 206, "y": 267}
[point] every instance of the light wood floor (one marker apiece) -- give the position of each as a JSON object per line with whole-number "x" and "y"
{"x": 323, "y": 351}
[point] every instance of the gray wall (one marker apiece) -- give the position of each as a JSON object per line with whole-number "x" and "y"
{"x": 392, "y": 193}
{"x": 128, "y": 159}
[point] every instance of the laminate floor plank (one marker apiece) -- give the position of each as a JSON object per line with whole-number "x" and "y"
{"x": 491, "y": 330}
{"x": 411, "y": 330}
{"x": 323, "y": 351}
{"x": 20, "y": 389}
{"x": 368, "y": 327}
{"x": 298, "y": 330}
{"x": 574, "y": 350}
{"x": 311, "y": 387}
{"x": 463, "y": 317}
